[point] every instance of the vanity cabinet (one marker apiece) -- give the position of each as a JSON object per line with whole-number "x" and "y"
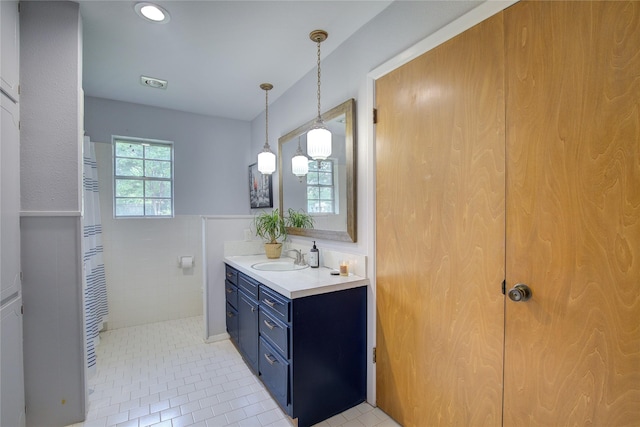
{"x": 231, "y": 295}
{"x": 241, "y": 293}
{"x": 310, "y": 351}
{"x": 248, "y": 320}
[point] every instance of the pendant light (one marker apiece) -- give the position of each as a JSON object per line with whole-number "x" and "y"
{"x": 319, "y": 137}
{"x": 299, "y": 163}
{"x": 266, "y": 158}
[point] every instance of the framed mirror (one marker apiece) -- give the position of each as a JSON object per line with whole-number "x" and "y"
{"x": 328, "y": 191}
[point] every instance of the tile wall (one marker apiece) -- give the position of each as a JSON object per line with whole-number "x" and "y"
{"x": 144, "y": 282}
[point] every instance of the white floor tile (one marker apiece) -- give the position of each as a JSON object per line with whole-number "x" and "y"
{"x": 351, "y": 414}
{"x": 117, "y": 418}
{"x": 235, "y": 416}
{"x": 141, "y": 411}
{"x": 164, "y": 375}
{"x": 202, "y": 414}
{"x": 169, "y": 414}
{"x": 150, "y": 419}
{"x": 182, "y": 421}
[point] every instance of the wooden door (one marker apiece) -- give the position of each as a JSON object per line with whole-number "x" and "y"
{"x": 572, "y": 353}
{"x": 440, "y": 233}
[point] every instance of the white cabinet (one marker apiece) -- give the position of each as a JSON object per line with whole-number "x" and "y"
{"x": 12, "y": 388}
{"x": 9, "y": 199}
{"x": 12, "y": 399}
{"x": 10, "y": 48}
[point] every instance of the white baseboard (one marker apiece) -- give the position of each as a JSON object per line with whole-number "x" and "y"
{"x": 216, "y": 338}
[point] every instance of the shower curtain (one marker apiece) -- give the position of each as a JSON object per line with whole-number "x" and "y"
{"x": 95, "y": 286}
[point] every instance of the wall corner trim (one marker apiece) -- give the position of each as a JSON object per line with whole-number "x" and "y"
{"x": 50, "y": 213}
{"x": 483, "y": 11}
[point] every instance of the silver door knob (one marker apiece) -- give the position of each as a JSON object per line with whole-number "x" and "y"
{"x": 520, "y": 292}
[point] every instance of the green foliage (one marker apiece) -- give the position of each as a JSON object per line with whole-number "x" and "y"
{"x": 143, "y": 184}
{"x": 298, "y": 219}
{"x": 270, "y": 226}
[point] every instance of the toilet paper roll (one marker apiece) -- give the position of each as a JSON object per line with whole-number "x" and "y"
{"x": 186, "y": 262}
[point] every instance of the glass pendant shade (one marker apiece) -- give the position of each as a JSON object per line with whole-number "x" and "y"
{"x": 266, "y": 162}
{"x": 319, "y": 142}
{"x": 299, "y": 163}
{"x": 266, "y": 158}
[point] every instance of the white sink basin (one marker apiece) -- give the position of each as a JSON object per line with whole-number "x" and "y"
{"x": 277, "y": 266}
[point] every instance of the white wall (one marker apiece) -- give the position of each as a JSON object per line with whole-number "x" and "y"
{"x": 217, "y": 230}
{"x": 212, "y": 154}
{"x": 346, "y": 74}
{"x": 51, "y": 170}
{"x": 144, "y": 283}
{"x": 51, "y": 167}
{"x": 54, "y": 357}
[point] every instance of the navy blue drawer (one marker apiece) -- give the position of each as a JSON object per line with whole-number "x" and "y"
{"x": 231, "y": 274}
{"x": 231, "y": 293}
{"x": 274, "y": 331}
{"x": 274, "y": 371}
{"x": 278, "y": 304}
{"x": 249, "y": 285}
{"x": 232, "y": 322}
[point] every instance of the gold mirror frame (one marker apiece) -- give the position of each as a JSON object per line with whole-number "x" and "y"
{"x": 348, "y": 109}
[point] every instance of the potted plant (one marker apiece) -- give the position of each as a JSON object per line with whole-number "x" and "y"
{"x": 298, "y": 219}
{"x": 270, "y": 226}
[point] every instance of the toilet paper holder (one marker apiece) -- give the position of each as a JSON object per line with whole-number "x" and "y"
{"x": 185, "y": 261}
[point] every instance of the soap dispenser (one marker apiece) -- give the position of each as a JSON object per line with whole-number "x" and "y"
{"x": 314, "y": 256}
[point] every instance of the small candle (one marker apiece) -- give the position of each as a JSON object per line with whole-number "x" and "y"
{"x": 344, "y": 268}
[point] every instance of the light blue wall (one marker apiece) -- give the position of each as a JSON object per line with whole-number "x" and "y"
{"x": 212, "y": 154}
{"x": 344, "y": 76}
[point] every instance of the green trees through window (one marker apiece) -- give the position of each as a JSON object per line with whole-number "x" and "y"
{"x": 320, "y": 187}
{"x": 143, "y": 178}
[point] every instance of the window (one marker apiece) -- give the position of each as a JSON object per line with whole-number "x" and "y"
{"x": 320, "y": 187}
{"x": 142, "y": 178}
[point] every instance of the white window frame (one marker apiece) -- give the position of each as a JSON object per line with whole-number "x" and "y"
{"x": 333, "y": 187}
{"x": 171, "y": 180}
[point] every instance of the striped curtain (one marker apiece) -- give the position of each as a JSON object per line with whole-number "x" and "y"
{"x": 95, "y": 286}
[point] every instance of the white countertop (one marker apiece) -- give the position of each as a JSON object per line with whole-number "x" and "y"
{"x": 295, "y": 283}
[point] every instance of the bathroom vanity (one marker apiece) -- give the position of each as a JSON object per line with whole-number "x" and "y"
{"x": 303, "y": 333}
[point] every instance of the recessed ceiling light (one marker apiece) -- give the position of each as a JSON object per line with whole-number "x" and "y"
{"x": 153, "y": 82}
{"x": 152, "y": 12}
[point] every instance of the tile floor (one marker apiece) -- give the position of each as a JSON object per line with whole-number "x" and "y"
{"x": 164, "y": 375}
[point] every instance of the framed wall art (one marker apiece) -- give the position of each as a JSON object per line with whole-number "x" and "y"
{"x": 260, "y": 188}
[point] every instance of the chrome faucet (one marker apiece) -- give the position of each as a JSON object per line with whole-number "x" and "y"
{"x": 299, "y": 257}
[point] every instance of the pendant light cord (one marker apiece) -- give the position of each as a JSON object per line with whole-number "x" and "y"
{"x": 319, "y": 115}
{"x": 266, "y": 109}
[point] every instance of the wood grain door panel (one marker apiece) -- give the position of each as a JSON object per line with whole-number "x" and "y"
{"x": 572, "y": 353}
{"x": 440, "y": 233}
{"x": 571, "y": 75}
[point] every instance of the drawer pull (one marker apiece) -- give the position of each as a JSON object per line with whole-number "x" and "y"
{"x": 229, "y": 290}
{"x": 270, "y": 359}
{"x": 253, "y": 309}
{"x": 229, "y": 314}
{"x": 269, "y": 302}
{"x": 269, "y": 324}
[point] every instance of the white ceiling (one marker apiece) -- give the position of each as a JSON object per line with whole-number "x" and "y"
{"x": 213, "y": 53}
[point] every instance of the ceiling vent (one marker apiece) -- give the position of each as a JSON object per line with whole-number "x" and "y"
{"x": 153, "y": 82}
